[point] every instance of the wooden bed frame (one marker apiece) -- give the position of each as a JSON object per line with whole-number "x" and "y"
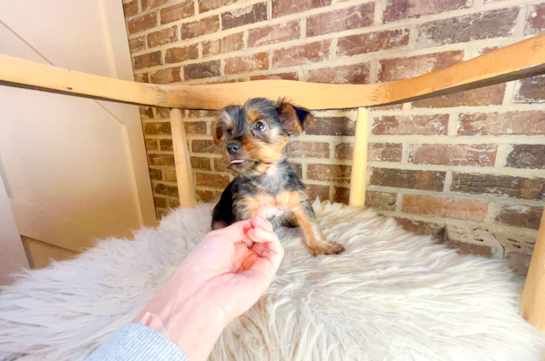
{"x": 520, "y": 60}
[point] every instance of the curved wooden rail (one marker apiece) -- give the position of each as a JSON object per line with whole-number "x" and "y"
{"x": 519, "y": 60}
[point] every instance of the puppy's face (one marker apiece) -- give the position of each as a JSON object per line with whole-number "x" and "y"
{"x": 257, "y": 132}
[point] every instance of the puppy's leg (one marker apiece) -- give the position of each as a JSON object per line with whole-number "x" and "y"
{"x": 312, "y": 235}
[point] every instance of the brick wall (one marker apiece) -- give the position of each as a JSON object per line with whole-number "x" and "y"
{"x": 473, "y": 158}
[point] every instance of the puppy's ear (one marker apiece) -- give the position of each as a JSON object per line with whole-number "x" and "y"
{"x": 223, "y": 122}
{"x": 293, "y": 118}
{"x": 217, "y": 131}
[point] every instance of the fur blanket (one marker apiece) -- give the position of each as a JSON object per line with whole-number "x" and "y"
{"x": 391, "y": 296}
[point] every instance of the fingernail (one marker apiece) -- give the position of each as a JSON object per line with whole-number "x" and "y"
{"x": 259, "y": 219}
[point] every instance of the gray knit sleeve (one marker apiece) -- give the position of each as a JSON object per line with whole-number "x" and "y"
{"x": 136, "y": 342}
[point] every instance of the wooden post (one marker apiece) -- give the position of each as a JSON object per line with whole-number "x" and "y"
{"x": 532, "y": 305}
{"x": 184, "y": 174}
{"x": 359, "y": 162}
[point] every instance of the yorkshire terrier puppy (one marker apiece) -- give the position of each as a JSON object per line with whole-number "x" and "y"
{"x": 256, "y": 135}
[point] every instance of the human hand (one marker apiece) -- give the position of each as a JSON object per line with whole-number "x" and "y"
{"x": 218, "y": 281}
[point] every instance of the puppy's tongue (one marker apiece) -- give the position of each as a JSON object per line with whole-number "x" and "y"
{"x": 237, "y": 161}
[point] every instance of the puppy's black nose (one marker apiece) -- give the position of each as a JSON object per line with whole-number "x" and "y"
{"x": 233, "y": 147}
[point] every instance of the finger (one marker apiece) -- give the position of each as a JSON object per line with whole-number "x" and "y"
{"x": 259, "y": 235}
{"x": 233, "y": 233}
{"x": 275, "y": 253}
{"x": 259, "y": 220}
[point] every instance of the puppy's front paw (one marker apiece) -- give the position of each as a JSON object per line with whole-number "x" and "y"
{"x": 327, "y": 248}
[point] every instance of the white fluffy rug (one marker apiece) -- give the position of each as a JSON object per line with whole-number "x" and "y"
{"x": 391, "y": 296}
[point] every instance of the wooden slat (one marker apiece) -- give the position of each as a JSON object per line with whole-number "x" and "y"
{"x": 532, "y": 304}
{"x": 359, "y": 162}
{"x": 512, "y": 62}
{"x": 184, "y": 174}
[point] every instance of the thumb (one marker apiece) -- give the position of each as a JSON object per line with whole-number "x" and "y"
{"x": 261, "y": 212}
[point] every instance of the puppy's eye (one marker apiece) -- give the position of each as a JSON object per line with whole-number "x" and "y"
{"x": 230, "y": 131}
{"x": 260, "y": 126}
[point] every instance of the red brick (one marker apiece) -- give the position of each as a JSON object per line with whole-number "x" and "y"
{"x": 169, "y": 175}
{"x": 195, "y": 113}
{"x": 465, "y": 209}
{"x": 177, "y": 55}
{"x": 151, "y": 4}
{"x": 381, "y": 200}
{"x": 162, "y": 113}
{"x": 148, "y": 60}
{"x": 388, "y": 107}
{"x": 155, "y": 174}
{"x": 499, "y": 185}
{"x": 228, "y": 44}
{"x": 531, "y": 90}
{"x": 146, "y": 112}
{"x": 250, "y": 15}
{"x": 519, "y": 262}
{"x": 166, "y": 76}
{"x": 273, "y": 34}
{"x": 285, "y": 76}
{"x": 165, "y": 36}
{"x": 354, "y": 17}
{"x": 166, "y": 145}
{"x": 297, "y": 169}
{"x": 298, "y": 149}
{"x": 329, "y": 172}
{"x": 377, "y": 152}
{"x": 314, "y": 190}
{"x": 202, "y": 70}
{"x": 304, "y": 54}
{"x": 283, "y": 7}
{"x": 331, "y": 126}
{"x": 204, "y": 146}
{"x": 142, "y": 23}
{"x": 243, "y": 64}
{"x": 535, "y": 19}
{"x": 200, "y": 27}
{"x": 141, "y": 78}
{"x": 341, "y": 195}
{"x": 222, "y": 164}
{"x": 207, "y": 5}
{"x": 200, "y": 163}
{"x": 411, "y": 179}
{"x": 509, "y": 123}
{"x": 529, "y": 156}
{"x": 130, "y": 8}
{"x": 157, "y": 128}
{"x": 173, "y": 202}
{"x": 151, "y": 144}
{"x": 160, "y": 202}
{"x": 165, "y": 189}
{"x": 411, "y": 125}
{"x": 207, "y": 196}
{"x": 476, "y": 155}
{"x": 484, "y": 25}
{"x": 405, "y": 68}
{"x": 137, "y": 44}
{"x": 383, "y": 152}
{"x": 372, "y": 42}
{"x": 353, "y": 74}
{"x": 422, "y": 228}
{"x": 520, "y": 216}
{"x": 195, "y": 127}
{"x": 161, "y": 159}
{"x": 212, "y": 180}
{"x": 490, "y": 95}
{"x": 405, "y": 9}
{"x": 182, "y": 10}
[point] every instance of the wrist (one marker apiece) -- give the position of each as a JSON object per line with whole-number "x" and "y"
{"x": 188, "y": 320}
